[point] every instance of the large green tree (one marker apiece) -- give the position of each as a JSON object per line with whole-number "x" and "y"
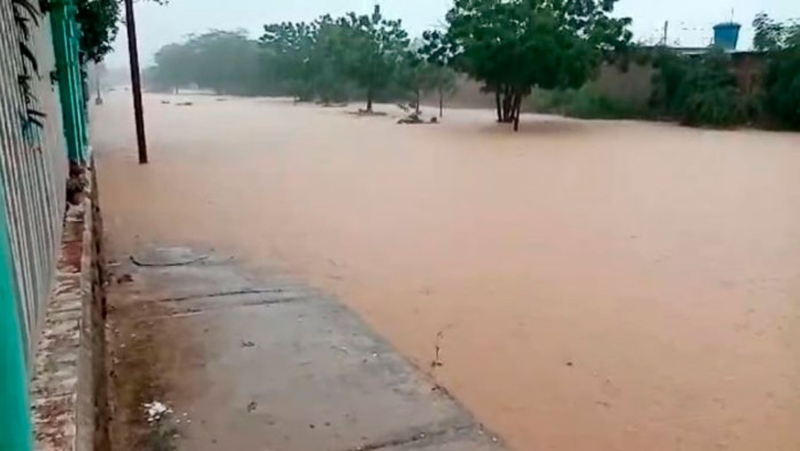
{"x": 99, "y": 21}
{"x": 224, "y": 61}
{"x": 309, "y": 58}
{"x": 439, "y": 52}
{"x": 513, "y": 46}
{"x": 289, "y": 47}
{"x": 376, "y": 48}
{"x": 173, "y": 68}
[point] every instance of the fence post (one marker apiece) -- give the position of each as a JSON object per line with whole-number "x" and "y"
{"x": 16, "y": 432}
{"x": 70, "y": 86}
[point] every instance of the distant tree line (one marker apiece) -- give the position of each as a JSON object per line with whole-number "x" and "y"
{"x": 328, "y": 60}
{"x": 511, "y": 46}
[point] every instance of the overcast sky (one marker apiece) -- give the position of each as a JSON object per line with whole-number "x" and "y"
{"x": 690, "y": 20}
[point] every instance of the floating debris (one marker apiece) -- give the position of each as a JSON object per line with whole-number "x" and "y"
{"x": 156, "y": 411}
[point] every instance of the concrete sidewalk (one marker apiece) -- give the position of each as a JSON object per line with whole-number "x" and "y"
{"x": 205, "y": 357}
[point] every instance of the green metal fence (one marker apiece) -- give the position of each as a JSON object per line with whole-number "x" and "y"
{"x": 42, "y": 128}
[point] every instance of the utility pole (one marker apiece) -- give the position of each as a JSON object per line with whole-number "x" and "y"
{"x": 666, "y": 31}
{"x": 136, "y": 81}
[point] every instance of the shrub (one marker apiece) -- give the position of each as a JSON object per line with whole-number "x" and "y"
{"x": 583, "y": 103}
{"x": 698, "y": 90}
{"x": 782, "y": 87}
{"x": 716, "y": 107}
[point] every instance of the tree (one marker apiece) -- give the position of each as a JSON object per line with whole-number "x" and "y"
{"x": 515, "y": 45}
{"x": 697, "y": 90}
{"x": 223, "y": 61}
{"x": 782, "y": 78}
{"x": 444, "y": 79}
{"x": 289, "y": 47}
{"x": 439, "y": 52}
{"x": 99, "y": 21}
{"x": 173, "y": 67}
{"x": 310, "y": 58}
{"x": 418, "y": 76}
{"x": 771, "y": 35}
{"x": 376, "y": 47}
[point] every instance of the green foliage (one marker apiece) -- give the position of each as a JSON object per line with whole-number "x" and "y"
{"x": 710, "y": 93}
{"x": 782, "y": 78}
{"x": 223, "y": 61}
{"x": 702, "y": 90}
{"x": 782, "y": 86}
{"x": 719, "y": 106}
{"x": 418, "y": 75}
{"x": 226, "y": 62}
{"x": 329, "y": 59}
{"x": 514, "y": 45}
{"x": 583, "y": 103}
{"x": 99, "y": 22}
{"x": 697, "y": 90}
{"x": 771, "y": 35}
{"x": 376, "y": 51}
{"x": 173, "y": 67}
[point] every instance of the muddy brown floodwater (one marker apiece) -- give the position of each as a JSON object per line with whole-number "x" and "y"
{"x": 594, "y": 285}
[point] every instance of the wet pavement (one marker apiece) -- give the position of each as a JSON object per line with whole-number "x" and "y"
{"x": 206, "y": 357}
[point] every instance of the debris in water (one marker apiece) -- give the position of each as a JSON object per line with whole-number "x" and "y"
{"x": 156, "y": 411}
{"x": 252, "y": 406}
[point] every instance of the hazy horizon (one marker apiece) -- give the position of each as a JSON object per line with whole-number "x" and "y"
{"x": 690, "y": 22}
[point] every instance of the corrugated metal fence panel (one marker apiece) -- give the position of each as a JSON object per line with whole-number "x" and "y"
{"x": 33, "y": 166}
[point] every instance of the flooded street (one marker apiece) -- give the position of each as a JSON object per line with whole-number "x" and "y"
{"x": 588, "y": 285}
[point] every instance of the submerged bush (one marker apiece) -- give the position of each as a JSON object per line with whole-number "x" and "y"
{"x": 585, "y": 104}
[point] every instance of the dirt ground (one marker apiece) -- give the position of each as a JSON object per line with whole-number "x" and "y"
{"x": 589, "y": 285}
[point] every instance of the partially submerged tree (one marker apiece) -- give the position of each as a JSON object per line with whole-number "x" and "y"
{"x": 289, "y": 48}
{"x": 375, "y": 50}
{"x": 514, "y": 45}
{"x": 173, "y": 68}
{"x": 438, "y": 51}
{"x": 418, "y": 76}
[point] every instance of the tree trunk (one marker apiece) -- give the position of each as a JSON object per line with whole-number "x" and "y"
{"x": 369, "y": 101}
{"x": 441, "y": 102}
{"x": 508, "y": 105}
{"x": 497, "y": 101}
{"x": 418, "y": 100}
{"x": 517, "y": 108}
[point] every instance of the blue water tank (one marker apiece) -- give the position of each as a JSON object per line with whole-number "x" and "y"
{"x": 726, "y": 35}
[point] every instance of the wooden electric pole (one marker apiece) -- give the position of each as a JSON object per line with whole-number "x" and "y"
{"x": 136, "y": 81}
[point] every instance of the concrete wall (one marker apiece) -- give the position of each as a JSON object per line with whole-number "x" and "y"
{"x": 70, "y": 392}
{"x": 632, "y": 85}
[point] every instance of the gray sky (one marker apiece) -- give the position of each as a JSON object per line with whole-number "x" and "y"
{"x": 690, "y": 20}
